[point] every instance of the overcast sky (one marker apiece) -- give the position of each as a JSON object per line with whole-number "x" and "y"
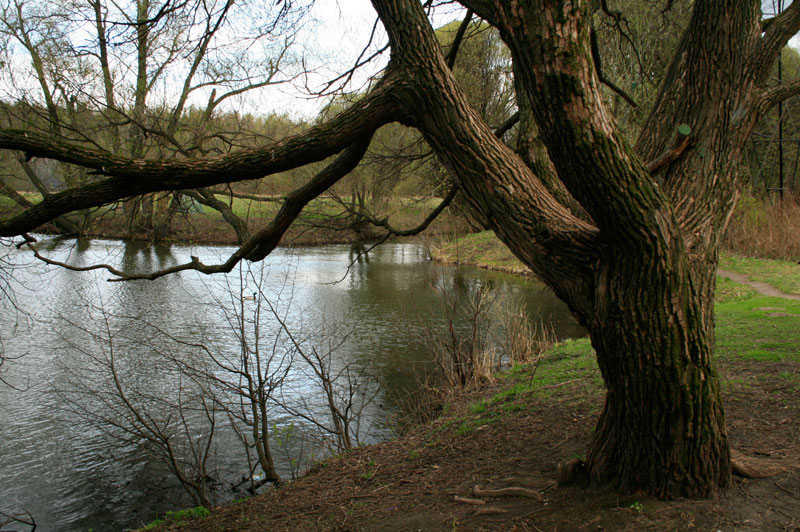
{"x": 338, "y": 32}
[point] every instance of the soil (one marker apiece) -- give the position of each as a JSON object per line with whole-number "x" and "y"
{"x": 424, "y": 480}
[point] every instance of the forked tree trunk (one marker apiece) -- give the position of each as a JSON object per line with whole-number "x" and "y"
{"x": 623, "y": 265}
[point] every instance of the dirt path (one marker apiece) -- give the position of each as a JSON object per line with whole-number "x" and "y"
{"x": 758, "y": 286}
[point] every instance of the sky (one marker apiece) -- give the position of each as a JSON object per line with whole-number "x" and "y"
{"x": 328, "y": 43}
{"x": 335, "y": 37}
{"x": 340, "y": 31}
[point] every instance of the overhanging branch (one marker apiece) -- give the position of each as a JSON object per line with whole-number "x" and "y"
{"x": 259, "y": 245}
{"x": 133, "y": 177}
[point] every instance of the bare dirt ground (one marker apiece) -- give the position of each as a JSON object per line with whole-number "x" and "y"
{"x": 425, "y": 480}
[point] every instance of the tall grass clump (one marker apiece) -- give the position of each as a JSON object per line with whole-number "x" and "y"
{"x": 760, "y": 228}
{"x": 484, "y": 331}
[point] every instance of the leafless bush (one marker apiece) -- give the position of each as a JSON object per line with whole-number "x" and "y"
{"x": 24, "y": 519}
{"x": 499, "y": 331}
{"x": 760, "y": 229}
{"x": 522, "y": 339}
{"x": 347, "y": 390}
{"x": 9, "y": 285}
{"x": 243, "y": 383}
{"x": 464, "y": 359}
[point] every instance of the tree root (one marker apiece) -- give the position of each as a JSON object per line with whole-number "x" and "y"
{"x": 490, "y": 510}
{"x": 513, "y": 491}
{"x": 750, "y": 467}
{"x": 465, "y": 500}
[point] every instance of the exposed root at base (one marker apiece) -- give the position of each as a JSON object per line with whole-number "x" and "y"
{"x": 490, "y": 510}
{"x": 750, "y": 467}
{"x": 571, "y": 471}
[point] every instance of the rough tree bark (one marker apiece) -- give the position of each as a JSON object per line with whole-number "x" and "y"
{"x": 632, "y": 254}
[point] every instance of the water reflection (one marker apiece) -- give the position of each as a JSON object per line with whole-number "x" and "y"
{"x": 72, "y": 477}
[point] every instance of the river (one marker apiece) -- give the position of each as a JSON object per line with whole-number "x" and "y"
{"x": 59, "y": 463}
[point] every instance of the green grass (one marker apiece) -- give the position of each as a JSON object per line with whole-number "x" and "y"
{"x": 782, "y": 274}
{"x": 479, "y": 249}
{"x": 179, "y": 517}
{"x": 755, "y": 327}
{"x": 748, "y": 329}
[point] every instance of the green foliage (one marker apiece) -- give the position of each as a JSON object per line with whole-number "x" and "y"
{"x": 478, "y": 407}
{"x": 636, "y": 506}
{"x": 482, "y": 68}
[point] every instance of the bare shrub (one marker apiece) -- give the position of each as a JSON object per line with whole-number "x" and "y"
{"x": 464, "y": 359}
{"x": 498, "y": 331}
{"x": 761, "y": 229}
{"x": 174, "y": 418}
{"x": 523, "y": 340}
{"x": 347, "y": 389}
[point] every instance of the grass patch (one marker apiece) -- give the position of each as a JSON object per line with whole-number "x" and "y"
{"x": 782, "y": 274}
{"x": 760, "y": 328}
{"x": 478, "y": 407}
{"x": 179, "y": 517}
{"x": 466, "y": 427}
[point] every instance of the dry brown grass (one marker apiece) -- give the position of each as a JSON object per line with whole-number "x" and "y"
{"x": 759, "y": 228}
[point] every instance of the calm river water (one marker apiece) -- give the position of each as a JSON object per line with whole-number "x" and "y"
{"x": 72, "y": 475}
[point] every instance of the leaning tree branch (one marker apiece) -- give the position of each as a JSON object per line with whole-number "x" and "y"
{"x": 779, "y": 93}
{"x": 259, "y": 245}
{"x": 777, "y": 32}
{"x": 133, "y": 177}
{"x": 452, "y": 53}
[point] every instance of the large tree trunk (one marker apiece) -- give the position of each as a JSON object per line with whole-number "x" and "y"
{"x": 662, "y": 430}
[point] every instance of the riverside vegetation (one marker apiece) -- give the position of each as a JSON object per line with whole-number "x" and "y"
{"x": 489, "y": 461}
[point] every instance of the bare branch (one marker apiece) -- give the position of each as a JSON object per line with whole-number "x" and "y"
{"x": 505, "y": 126}
{"x": 384, "y": 222}
{"x": 452, "y": 53}
{"x": 598, "y": 65}
{"x": 681, "y": 143}
{"x": 19, "y": 518}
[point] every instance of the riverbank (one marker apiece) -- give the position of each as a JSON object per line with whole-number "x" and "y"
{"x": 323, "y": 221}
{"x": 515, "y": 432}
